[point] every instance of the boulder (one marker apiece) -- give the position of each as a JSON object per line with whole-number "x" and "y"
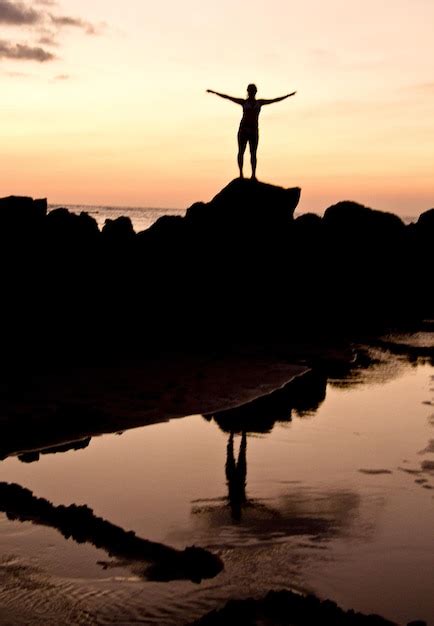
{"x": 118, "y": 231}
{"x": 247, "y": 204}
{"x": 426, "y": 220}
{"x": 20, "y": 215}
{"x": 71, "y": 230}
{"x": 353, "y": 219}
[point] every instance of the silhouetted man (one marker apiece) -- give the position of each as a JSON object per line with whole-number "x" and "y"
{"x": 248, "y": 131}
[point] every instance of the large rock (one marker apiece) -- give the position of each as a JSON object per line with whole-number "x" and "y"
{"x": 66, "y": 228}
{"x": 247, "y": 203}
{"x": 20, "y": 216}
{"x": 426, "y": 220}
{"x": 353, "y": 219}
{"x": 119, "y": 231}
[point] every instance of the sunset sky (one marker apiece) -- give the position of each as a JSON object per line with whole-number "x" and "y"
{"x": 104, "y": 102}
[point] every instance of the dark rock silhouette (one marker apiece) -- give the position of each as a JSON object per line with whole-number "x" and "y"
{"x": 284, "y": 608}
{"x": 237, "y": 269}
{"x": 426, "y": 220}
{"x": 79, "y": 523}
{"x": 351, "y": 218}
{"x": 20, "y": 213}
{"x": 244, "y": 204}
{"x": 118, "y": 231}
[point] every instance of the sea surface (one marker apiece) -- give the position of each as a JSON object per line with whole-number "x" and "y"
{"x": 141, "y": 218}
{"x": 337, "y": 499}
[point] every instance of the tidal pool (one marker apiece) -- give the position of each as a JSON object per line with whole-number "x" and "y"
{"x": 335, "y": 498}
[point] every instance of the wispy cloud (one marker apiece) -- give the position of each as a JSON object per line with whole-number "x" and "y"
{"x": 48, "y": 39}
{"x": 74, "y": 22}
{"x": 42, "y": 25}
{"x": 16, "y": 74}
{"x": 22, "y": 52}
{"x": 62, "y": 77}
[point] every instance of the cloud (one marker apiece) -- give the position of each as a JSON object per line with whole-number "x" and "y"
{"x": 62, "y": 77}
{"x": 39, "y": 21}
{"x": 47, "y": 38}
{"x": 17, "y": 14}
{"x": 22, "y": 52}
{"x": 74, "y": 22}
{"x": 16, "y": 74}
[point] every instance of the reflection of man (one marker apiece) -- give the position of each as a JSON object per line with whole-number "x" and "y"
{"x": 236, "y": 473}
{"x": 248, "y": 131}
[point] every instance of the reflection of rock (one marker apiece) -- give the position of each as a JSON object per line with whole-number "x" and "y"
{"x": 80, "y": 523}
{"x": 285, "y": 608}
{"x": 32, "y": 457}
{"x": 56, "y": 408}
{"x": 375, "y": 472}
{"x": 428, "y": 467}
{"x": 411, "y": 345}
{"x": 303, "y": 395}
{"x": 429, "y": 449}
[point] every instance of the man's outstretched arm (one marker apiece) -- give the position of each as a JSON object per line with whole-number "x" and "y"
{"x": 223, "y": 95}
{"x": 288, "y": 95}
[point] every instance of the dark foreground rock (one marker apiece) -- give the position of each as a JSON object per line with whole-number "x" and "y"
{"x": 239, "y": 268}
{"x": 284, "y": 608}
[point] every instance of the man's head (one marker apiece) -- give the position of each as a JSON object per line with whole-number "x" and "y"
{"x": 252, "y": 90}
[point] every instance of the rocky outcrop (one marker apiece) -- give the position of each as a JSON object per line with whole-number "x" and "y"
{"x": 426, "y": 220}
{"x": 237, "y": 268}
{"x": 247, "y": 205}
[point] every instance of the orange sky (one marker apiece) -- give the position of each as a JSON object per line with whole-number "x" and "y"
{"x": 120, "y": 114}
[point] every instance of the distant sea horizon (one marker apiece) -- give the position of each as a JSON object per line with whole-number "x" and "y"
{"x": 143, "y": 217}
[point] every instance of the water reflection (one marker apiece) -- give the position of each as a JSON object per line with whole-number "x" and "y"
{"x": 289, "y": 506}
{"x": 303, "y": 396}
{"x": 236, "y": 475}
{"x": 35, "y": 455}
{"x": 83, "y": 526}
{"x": 300, "y": 512}
{"x": 53, "y": 410}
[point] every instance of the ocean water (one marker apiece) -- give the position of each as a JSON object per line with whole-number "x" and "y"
{"x": 335, "y": 499}
{"x": 141, "y": 218}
